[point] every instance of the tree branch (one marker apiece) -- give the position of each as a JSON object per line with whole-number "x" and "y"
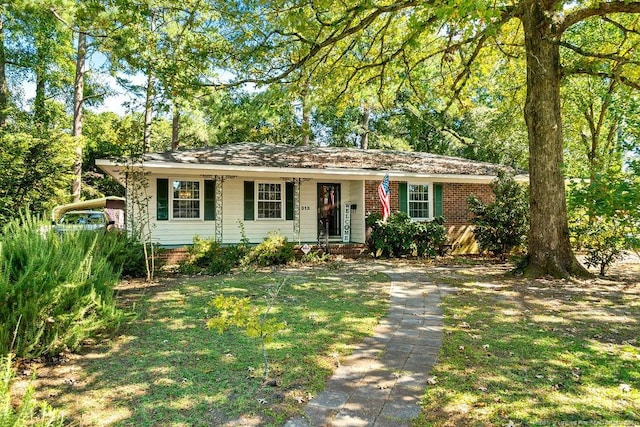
{"x": 601, "y": 9}
{"x": 349, "y": 30}
{"x": 609, "y": 56}
{"x": 622, "y": 79}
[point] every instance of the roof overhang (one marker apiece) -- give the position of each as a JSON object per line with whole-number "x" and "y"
{"x": 169, "y": 169}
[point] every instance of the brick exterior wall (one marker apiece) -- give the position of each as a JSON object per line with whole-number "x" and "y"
{"x": 454, "y": 201}
{"x": 456, "y": 213}
{"x": 371, "y": 200}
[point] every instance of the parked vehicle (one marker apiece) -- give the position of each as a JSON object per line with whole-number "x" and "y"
{"x": 75, "y": 221}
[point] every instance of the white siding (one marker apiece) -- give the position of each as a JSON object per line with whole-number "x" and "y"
{"x": 181, "y": 232}
{"x": 357, "y": 215}
{"x": 309, "y": 211}
{"x": 257, "y": 229}
{"x": 175, "y": 232}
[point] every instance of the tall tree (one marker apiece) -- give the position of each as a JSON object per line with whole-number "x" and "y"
{"x": 4, "y": 91}
{"x": 408, "y": 33}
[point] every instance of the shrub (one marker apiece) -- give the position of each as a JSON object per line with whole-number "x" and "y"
{"x": 604, "y": 216}
{"x": 430, "y": 237}
{"x": 54, "y": 292}
{"x": 209, "y": 256}
{"x": 315, "y": 257}
{"x": 28, "y": 412}
{"x": 604, "y": 243}
{"x": 125, "y": 253}
{"x": 502, "y": 225}
{"x": 273, "y": 250}
{"x": 400, "y": 236}
{"x": 226, "y": 259}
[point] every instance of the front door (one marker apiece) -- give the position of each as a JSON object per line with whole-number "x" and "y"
{"x": 329, "y": 210}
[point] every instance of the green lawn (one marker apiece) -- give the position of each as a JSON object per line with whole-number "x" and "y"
{"x": 168, "y": 369}
{"x": 523, "y": 352}
{"x": 516, "y": 352}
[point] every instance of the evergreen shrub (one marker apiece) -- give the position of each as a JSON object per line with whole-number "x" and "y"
{"x": 400, "y": 236}
{"x": 55, "y": 292}
{"x": 604, "y": 216}
{"x": 125, "y": 253}
{"x": 273, "y": 250}
{"x": 502, "y": 225}
{"x": 207, "y": 255}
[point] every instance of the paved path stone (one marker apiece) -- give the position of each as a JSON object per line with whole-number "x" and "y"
{"x": 381, "y": 384}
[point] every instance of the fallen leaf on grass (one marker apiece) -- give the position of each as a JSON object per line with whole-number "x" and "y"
{"x": 432, "y": 380}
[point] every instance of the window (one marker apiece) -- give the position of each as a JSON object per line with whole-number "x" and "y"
{"x": 419, "y": 201}
{"x": 186, "y": 199}
{"x": 269, "y": 201}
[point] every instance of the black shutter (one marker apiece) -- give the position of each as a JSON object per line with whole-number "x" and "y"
{"x": 162, "y": 199}
{"x": 209, "y": 200}
{"x": 438, "y": 208}
{"x": 402, "y": 197}
{"x": 289, "y": 198}
{"x": 249, "y": 201}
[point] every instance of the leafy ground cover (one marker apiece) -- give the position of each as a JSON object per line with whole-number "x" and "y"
{"x": 521, "y": 352}
{"x": 168, "y": 369}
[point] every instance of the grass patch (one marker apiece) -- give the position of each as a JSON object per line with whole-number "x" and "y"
{"x": 522, "y": 352}
{"x": 169, "y": 369}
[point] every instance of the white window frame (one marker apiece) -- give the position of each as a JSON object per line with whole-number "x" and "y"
{"x": 258, "y": 200}
{"x": 429, "y": 186}
{"x": 200, "y": 199}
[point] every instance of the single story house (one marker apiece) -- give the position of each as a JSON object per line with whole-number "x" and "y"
{"x": 299, "y": 191}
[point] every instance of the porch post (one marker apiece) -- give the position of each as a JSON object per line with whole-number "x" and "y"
{"x": 219, "y": 214}
{"x": 296, "y": 209}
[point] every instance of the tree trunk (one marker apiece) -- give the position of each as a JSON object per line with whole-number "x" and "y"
{"x": 306, "y": 116}
{"x": 4, "y": 95}
{"x": 175, "y": 127}
{"x": 148, "y": 112}
{"x": 76, "y": 130}
{"x": 364, "y": 137}
{"x": 39, "y": 100}
{"x": 549, "y": 247}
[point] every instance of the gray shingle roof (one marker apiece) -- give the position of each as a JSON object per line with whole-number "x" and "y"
{"x": 311, "y": 157}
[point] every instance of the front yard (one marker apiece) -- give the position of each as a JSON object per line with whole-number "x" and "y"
{"x": 168, "y": 369}
{"x": 516, "y": 352}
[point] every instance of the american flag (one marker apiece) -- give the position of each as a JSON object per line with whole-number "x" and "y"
{"x": 383, "y": 193}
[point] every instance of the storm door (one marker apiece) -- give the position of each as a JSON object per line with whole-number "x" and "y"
{"x": 329, "y": 210}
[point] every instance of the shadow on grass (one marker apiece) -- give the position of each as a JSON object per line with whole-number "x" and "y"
{"x": 167, "y": 368}
{"x": 537, "y": 353}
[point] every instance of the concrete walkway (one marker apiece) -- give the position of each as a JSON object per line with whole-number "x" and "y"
{"x": 381, "y": 384}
